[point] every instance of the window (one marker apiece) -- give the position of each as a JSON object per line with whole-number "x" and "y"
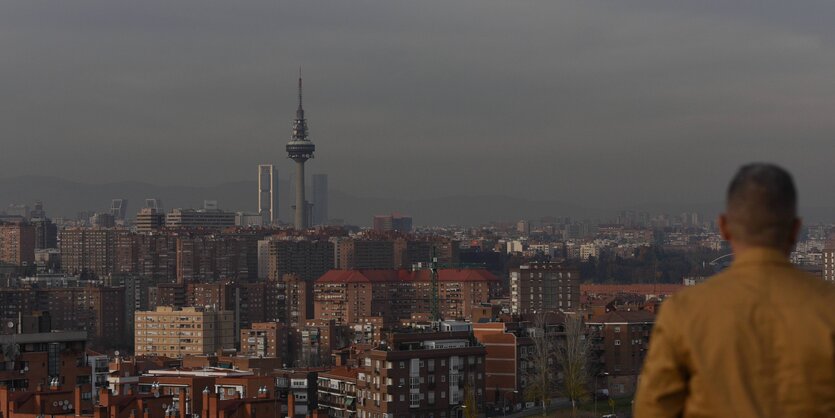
{"x": 402, "y": 364}
{"x": 617, "y": 342}
{"x": 617, "y": 329}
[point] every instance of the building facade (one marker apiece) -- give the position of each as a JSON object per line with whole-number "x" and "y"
{"x": 267, "y": 194}
{"x": 189, "y": 331}
{"x": 17, "y": 243}
{"x": 352, "y": 296}
{"x": 544, "y": 287}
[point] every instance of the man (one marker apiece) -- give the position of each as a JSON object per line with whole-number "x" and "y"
{"x": 757, "y": 340}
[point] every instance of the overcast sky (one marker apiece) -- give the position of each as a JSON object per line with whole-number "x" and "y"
{"x": 600, "y": 103}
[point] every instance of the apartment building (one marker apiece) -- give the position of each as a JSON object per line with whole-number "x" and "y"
{"x": 172, "y": 332}
{"x": 413, "y": 374}
{"x": 351, "y": 296}
{"x": 544, "y": 287}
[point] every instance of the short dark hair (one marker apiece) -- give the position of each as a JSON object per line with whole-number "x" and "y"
{"x": 762, "y": 205}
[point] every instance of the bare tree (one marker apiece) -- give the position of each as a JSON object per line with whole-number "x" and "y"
{"x": 470, "y": 405}
{"x": 573, "y": 359}
{"x": 539, "y": 364}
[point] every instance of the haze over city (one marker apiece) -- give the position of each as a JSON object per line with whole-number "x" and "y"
{"x": 598, "y": 104}
{"x": 427, "y": 209}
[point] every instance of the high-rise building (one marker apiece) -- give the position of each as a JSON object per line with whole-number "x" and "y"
{"x": 119, "y": 209}
{"x": 91, "y": 250}
{"x": 201, "y": 218}
{"x": 190, "y": 331}
{"x": 154, "y": 203}
{"x": 307, "y": 259}
{"x": 544, "y": 287}
{"x": 366, "y": 254}
{"x": 267, "y": 193}
{"x": 149, "y": 219}
{"x": 17, "y": 243}
{"x": 393, "y": 222}
{"x": 320, "y": 199}
{"x": 300, "y": 149}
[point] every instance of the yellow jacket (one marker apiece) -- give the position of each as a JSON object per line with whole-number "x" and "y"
{"x": 757, "y": 340}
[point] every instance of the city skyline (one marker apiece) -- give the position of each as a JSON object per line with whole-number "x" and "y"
{"x": 442, "y": 104}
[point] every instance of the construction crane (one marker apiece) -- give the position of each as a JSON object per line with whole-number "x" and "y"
{"x": 435, "y": 299}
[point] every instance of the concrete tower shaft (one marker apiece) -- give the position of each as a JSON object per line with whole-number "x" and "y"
{"x": 300, "y": 149}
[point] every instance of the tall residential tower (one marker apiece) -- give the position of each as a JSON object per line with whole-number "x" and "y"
{"x": 267, "y": 193}
{"x": 300, "y": 149}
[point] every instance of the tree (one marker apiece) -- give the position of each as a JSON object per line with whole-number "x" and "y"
{"x": 470, "y": 405}
{"x": 573, "y": 359}
{"x": 538, "y": 368}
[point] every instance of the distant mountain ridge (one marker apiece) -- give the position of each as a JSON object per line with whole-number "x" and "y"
{"x": 64, "y": 198}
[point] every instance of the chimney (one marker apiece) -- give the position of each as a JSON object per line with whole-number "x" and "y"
{"x": 76, "y": 402}
{"x": 104, "y": 396}
{"x": 100, "y": 411}
{"x": 291, "y": 404}
{"x": 182, "y": 403}
{"x": 207, "y": 395}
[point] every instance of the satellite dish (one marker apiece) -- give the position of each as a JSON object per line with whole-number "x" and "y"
{"x": 116, "y": 353}
{"x": 55, "y": 403}
{"x": 10, "y": 324}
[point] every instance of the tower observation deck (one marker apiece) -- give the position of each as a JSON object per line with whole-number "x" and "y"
{"x": 300, "y": 149}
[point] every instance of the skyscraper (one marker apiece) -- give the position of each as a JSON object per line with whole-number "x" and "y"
{"x": 300, "y": 149}
{"x": 154, "y": 203}
{"x": 267, "y": 193}
{"x": 119, "y": 209}
{"x": 320, "y": 199}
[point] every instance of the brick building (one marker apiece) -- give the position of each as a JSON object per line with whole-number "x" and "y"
{"x": 544, "y": 287}
{"x": 265, "y": 339}
{"x": 349, "y": 296}
{"x": 413, "y": 374}
{"x": 189, "y": 331}
{"x": 90, "y": 250}
{"x": 42, "y": 356}
{"x": 619, "y": 343}
{"x": 365, "y": 254}
{"x": 17, "y": 243}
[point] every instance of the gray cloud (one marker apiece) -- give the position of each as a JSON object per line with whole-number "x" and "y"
{"x": 602, "y": 103}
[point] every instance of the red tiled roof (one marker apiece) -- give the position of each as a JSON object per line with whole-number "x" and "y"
{"x": 404, "y": 275}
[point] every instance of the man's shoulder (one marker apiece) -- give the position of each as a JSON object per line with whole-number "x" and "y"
{"x": 738, "y": 286}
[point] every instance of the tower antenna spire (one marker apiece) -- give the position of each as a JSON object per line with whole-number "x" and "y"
{"x": 300, "y": 86}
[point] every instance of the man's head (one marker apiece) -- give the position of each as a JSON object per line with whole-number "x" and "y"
{"x": 761, "y": 208}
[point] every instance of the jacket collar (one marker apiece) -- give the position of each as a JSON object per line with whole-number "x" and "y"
{"x": 760, "y": 255}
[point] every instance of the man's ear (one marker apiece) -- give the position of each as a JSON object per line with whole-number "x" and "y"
{"x": 723, "y": 227}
